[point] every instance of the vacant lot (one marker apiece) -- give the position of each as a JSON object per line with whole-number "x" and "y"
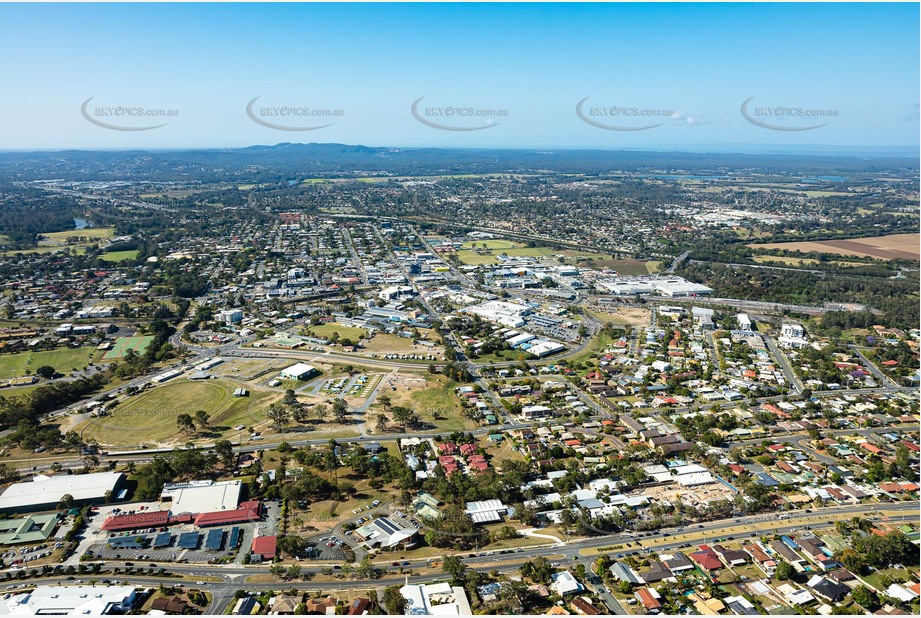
{"x": 325, "y": 331}
{"x": 62, "y": 359}
{"x": 895, "y": 246}
{"x": 151, "y": 416}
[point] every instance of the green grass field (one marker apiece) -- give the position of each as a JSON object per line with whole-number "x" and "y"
{"x": 345, "y": 332}
{"x": 123, "y": 344}
{"x": 91, "y": 233}
{"x": 119, "y": 256}
{"x": 474, "y": 254}
{"x": 151, "y": 416}
{"x": 62, "y": 359}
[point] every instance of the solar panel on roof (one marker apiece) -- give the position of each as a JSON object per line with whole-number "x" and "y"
{"x": 235, "y": 534}
{"x": 189, "y": 540}
{"x": 214, "y": 540}
{"x": 163, "y": 539}
{"x": 129, "y": 542}
{"x": 386, "y": 525}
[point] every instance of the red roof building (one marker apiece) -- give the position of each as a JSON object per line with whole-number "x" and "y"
{"x": 246, "y": 512}
{"x": 148, "y": 519}
{"x": 265, "y": 546}
{"x": 706, "y": 558}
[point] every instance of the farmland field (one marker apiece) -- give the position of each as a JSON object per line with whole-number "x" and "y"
{"x": 896, "y": 246}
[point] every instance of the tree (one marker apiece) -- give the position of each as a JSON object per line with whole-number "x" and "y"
{"x": 185, "y": 424}
{"x": 537, "y": 570}
{"x": 454, "y": 566}
{"x": 380, "y": 424}
{"x": 290, "y": 398}
{"x": 865, "y": 598}
{"x": 201, "y": 418}
{"x": 224, "y": 451}
{"x": 785, "y": 571}
{"x": 402, "y": 415}
{"x": 45, "y": 371}
{"x": 340, "y": 410}
{"x": 278, "y": 415}
{"x": 66, "y": 502}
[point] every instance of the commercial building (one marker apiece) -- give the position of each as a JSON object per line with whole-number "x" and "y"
{"x": 29, "y": 529}
{"x": 300, "y": 371}
{"x": 383, "y": 533}
{"x": 44, "y": 493}
{"x": 507, "y": 314}
{"x": 265, "y": 547}
{"x": 70, "y": 601}
{"x": 201, "y": 496}
{"x": 435, "y": 600}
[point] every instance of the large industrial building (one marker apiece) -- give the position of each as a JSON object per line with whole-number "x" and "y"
{"x": 70, "y": 601}
{"x": 201, "y": 496}
{"x": 672, "y": 286}
{"x": 500, "y": 312}
{"x": 44, "y": 493}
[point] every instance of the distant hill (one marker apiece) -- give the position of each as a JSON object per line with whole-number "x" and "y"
{"x": 298, "y": 160}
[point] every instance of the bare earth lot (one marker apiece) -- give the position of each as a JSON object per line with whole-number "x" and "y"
{"x": 896, "y": 246}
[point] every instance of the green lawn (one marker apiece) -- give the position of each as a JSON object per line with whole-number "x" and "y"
{"x": 62, "y": 359}
{"x": 440, "y": 397}
{"x": 472, "y": 252}
{"x": 345, "y": 332}
{"x": 151, "y": 416}
{"x": 92, "y": 233}
{"x": 119, "y": 256}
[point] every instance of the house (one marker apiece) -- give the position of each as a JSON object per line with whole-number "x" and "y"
{"x": 324, "y": 607}
{"x": 564, "y": 583}
{"x": 732, "y": 557}
{"x": 649, "y": 599}
{"x": 283, "y": 605}
{"x": 827, "y": 589}
{"x": 359, "y": 607}
{"x": 246, "y": 606}
{"x": 707, "y": 559}
{"x": 584, "y": 607}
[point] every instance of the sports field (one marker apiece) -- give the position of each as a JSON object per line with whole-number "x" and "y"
{"x": 123, "y": 344}
{"x": 62, "y": 359}
{"x": 151, "y": 416}
{"x": 474, "y": 252}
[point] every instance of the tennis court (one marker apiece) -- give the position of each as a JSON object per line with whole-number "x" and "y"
{"x": 123, "y": 344}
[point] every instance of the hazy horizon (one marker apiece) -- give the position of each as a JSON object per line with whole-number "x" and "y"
{"x": 666, "y": 77}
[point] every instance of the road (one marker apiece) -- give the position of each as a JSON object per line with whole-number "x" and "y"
{"x": 234, "y": 577}
{"x": 781, "y": 358}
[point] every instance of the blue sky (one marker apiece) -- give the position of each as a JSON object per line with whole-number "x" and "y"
{"x": 687, "y": 68}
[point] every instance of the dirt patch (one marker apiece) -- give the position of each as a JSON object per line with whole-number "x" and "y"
{"x": 892, "y": 247}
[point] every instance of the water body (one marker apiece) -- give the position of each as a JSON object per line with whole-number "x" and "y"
{"x": 80, "y": 224}
{"x": 826, "y": 178}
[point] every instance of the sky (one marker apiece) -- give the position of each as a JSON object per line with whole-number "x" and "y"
{"x": 655, "y": 76}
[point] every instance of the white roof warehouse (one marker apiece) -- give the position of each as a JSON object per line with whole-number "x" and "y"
{"x": 44, "y": 493}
